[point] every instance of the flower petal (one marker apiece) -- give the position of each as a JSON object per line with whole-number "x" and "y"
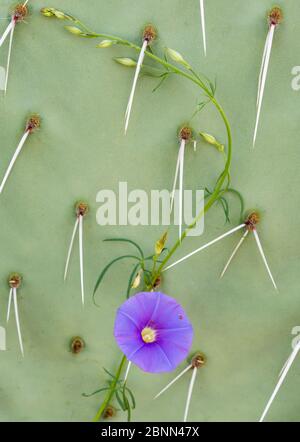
{"x": 140, "y": 308}
{"x": 151, "y": 358}
{"x": 169, "y": 315}
{"x": 176, "y": 344}
{"x": 162, "y": 313}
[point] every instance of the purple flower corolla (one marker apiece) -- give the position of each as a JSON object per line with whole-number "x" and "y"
{"x": 153, "y": 331}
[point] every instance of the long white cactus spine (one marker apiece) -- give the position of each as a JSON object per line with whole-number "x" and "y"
{"x": 189, "y": 396}
{"x": 2, "y": 339}
{"x": 13, "y": 160}
{"x": 17, "y": 320}
{"x": 9, "y": 304}
{"x": 234, "y": 252}
{"x": 9, "y": 53}
{"x": 181, "y": 167}
{"x": 262, "y": 81}
{"x": 202, "y": 15}
{"x": 281, "y": 380}
{"x": 6, "y": 32}
{"x": 205, "y": 246}
{"x": 127, "y": 371}
{"x": 136, "y": 76}
{"x": 176, "y": 174}
{"x": 173, "y": 381}
{"x": 81, "y": 256}
{"x": 261, "y": 251}
{"x": 9, "y": 31}
{"x": 178, "y": 179}
{"x": 262, "y": 66}
{"x": 71, "y": 247}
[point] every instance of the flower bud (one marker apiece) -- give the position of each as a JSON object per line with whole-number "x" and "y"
{"x": 60, "y": 15}
{"x": 52, "y": 12}
{"x": 74, "y": 30}
{"x": 160, "y": 244}
{"x": 177, "y": 57}
{"x": 211, "y": 140}
{"x": 137, "y": 280}
{"x": 106, "y": 43}
{"x": 128, "y": 62}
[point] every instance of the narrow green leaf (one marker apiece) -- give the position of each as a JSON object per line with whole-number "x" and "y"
{"x": 163, "y": 78}
{"x": 109, "y": 373}
{"x": 225, "y": 206}
{"x": 126, "y": 240}
{"x": 165, "y": 249}
{"x": 125, "y": 61}
{"x": 133, "y": 403}
{"x": 149, "y": 258}
{"x": 149, "y": 49}
{"x": 207, "y": 192}
{"x": 199, "y": 108}
{"x": 119, "y": 400}
{"x": 95, "y": 392}
{"x": 107, "y": 267}
{"x": 241, "y": 199}
{"x": 127, "y": 404}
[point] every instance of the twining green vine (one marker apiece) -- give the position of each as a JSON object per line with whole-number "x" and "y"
{"x": 159, "y": 259}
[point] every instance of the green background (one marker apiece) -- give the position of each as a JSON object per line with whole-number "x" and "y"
{"x": 240, "y": 322}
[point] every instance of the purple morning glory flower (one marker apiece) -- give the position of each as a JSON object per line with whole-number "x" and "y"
{"x": 153, "y": 331}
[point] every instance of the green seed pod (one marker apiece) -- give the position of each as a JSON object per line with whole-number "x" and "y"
{"x": 106, "y": 43}
{"x": 59, "y": 14}
{"x": 210, "y": 139}
{"x": 74, "y": 30}
{"x": 48, "y": 12}
{"x": 177, "y": 57}
{"x": 125, "y": 61}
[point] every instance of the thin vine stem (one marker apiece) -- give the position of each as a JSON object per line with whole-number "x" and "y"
{"x": 111, "y": 391}
{"x": 190, "y": 75}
